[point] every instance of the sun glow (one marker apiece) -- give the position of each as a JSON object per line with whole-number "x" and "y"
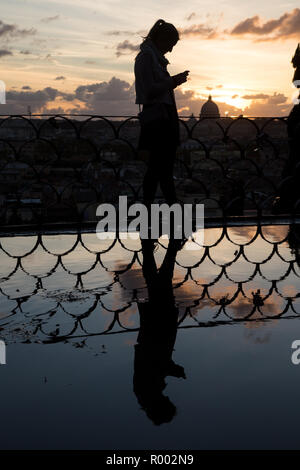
{"x": 237, "y": 102}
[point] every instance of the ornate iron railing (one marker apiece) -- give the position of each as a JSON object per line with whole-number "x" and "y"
{"x": 58, "y": 168}
{"x": 61, "y": 287}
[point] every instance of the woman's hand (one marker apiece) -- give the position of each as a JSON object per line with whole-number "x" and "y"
{"x": 180, "y": 78}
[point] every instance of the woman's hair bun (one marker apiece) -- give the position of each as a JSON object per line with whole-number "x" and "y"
{"x": 163, "y": 29}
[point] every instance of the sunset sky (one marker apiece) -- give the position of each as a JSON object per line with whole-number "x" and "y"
{"x": 78, "y": 56}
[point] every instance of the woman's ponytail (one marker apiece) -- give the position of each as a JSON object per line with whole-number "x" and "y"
{"x": 162, "y": 29}
{"x": 154, "y": 31}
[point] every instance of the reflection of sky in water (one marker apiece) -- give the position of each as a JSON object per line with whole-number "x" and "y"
{"x": 57, "y": 281}
{"x": 61, "y": 278}
{"x": 240, "y": 380}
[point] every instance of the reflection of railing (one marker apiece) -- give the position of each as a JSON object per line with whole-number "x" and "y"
{"x": 59, "y": 168}
{"x": 55, "y": 288}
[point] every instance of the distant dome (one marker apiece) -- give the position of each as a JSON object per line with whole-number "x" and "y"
{"x": 210, "y": 109}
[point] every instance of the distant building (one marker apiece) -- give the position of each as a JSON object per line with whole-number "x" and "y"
{"x": 192, "y": 120}
{"x": 210, "y": 109}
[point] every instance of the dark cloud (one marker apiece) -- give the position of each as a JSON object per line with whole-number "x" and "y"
{"x": 126, "y": 33}
{"x": 4, "y": 52}
{"x": 26, "y": 87}
{"x": 126, "y": 46}
{"x": 66, "y": 96}
{"x": 26, "y": 52}
{"x": 47, "y": 19}
{"x": 114, "y": 90}
{"x": 52, "y": 92}
{"x": 258, "y": 96}
{"x": 267, "y": 110}
{"x": 12, "y": 30}
{"x": 192, "y": 15}
{"x": 18, "y": 101}
{"x": 287, "y": 26}
{"x": 268, "y": 105}
{"x": 117, "y": 97}
{"x": 202, "y": 30}
{"x": 61, "y": 77}
{"x": 49, "y": 58}
{"x": 6, "y": 28}
{"x": 276, "y": 98}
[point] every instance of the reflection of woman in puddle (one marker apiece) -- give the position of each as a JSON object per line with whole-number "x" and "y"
{"x": 158, "y": 328}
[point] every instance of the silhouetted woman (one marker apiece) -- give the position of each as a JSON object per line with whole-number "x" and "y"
{"x": 159, "y": 119}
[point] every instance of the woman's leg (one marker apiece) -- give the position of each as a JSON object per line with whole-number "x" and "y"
{"x": 167, "y": 159}
{"x": 162, "y": 146}
{"x": 166, "y": 179}
{"x": 160, "y": 170}
{"x": 150, "y": 182}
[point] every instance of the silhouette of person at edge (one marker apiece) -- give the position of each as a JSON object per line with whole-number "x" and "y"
{"x": 159, "y": 118}
{"x": 289, "y": 190}
{"x": 158, "y": 328}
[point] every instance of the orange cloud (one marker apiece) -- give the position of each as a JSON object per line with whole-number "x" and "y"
{"x": 285, "y": 27}
{"x": 126, "y": 46}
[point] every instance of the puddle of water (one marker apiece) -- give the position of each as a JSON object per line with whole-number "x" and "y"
{"x": 70, "y": 315}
